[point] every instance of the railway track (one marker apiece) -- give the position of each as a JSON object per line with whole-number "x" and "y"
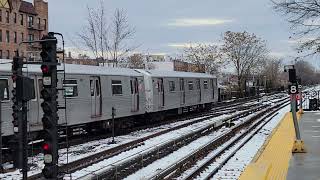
{"x": 222, "y": 155}
{"x": 84, "y": 162}
{"x": 129, "y": 165}
{"x": 222, "y": 107}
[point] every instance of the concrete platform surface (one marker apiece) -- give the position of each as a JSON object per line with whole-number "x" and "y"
{"x": 307, "y": 165}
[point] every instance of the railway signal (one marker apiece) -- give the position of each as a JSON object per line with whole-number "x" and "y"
{"x": 49, "y": 106}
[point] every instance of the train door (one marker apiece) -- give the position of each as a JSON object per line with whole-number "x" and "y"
{"x": 134, "y": 85}
{"x": 160, "y": 92}
{"x": 199, "y": 90}
{"x": 182, "y": 92}
{"x": 95, "y": 90}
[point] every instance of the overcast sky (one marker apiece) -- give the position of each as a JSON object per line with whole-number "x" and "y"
{"x": 165, "y": 26}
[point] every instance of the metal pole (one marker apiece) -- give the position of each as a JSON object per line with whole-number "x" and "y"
{"x": 294, "y": 116}
{"x": 1, "y": 167}
{"x": 24, "y": 141}
{"x": 301, "y": 100}
{"x": 113, "y": 114}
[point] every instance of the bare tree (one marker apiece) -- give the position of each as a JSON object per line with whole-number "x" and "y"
{"x": 272, "y": 72}
{"x": 106, "y": 38}
{"x": 244, "y": 51}
{"x": 208, "y": 56}
{"x": 136, "y": 61}
{"x": 304, "y": 18}
{"x": 120, "y": 33}
{"x": 308, "y": 75}
{"x": 94, "y": 33}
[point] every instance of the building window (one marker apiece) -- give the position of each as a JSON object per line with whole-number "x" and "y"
{"x": 16, "y": 53}
{"x": 7, "y": 16}
{"x": 8, "y": 54}
{"x": 0, "y": 15}
{"x": 39, "y": 23}
{"x": 31, "y": 37}
{"x": 116, "y": 87}
{"x": 0, "y": 54}
{"x": 22, "y": 37}
{"x": 172, "y": 86}
{"x": 21, "y": 19}
{"x": 45, "y": 24}
{"x": 0, "y": 35}
{"x": 15, "y": 18}
{"x": 7, "y": 37}
{"x": 15, "y": 37}
{"x": 190, "y": 85}
{"x": 4, "y": 88}
{"x": 205, "y": 84}
{"x": 30, "y": 21}
{"x": 70, "y": 88}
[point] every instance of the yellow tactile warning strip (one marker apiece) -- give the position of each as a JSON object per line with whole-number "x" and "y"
{"x": 273, "y": 161}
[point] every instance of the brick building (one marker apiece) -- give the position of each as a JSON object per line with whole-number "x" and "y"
{"x": 22, "y": 21}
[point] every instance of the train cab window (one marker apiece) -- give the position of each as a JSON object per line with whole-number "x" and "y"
{"x": 70, "y": 88}
{"x": 190, "y": 85}
{"x": 172, "y": 86}
{"x": 4, "y": 88}
{"x": 205, "y": 84}
{"x": 116, "y": 87}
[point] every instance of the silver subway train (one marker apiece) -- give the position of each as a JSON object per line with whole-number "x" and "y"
{"x": 92, "y": 92}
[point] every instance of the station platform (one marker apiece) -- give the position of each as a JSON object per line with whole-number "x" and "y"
{"x": 275, "y": 159}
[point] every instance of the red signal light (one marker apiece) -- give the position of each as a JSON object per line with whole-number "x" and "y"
{"x": 45, "y": 147}
{"x": 44, "y": 69}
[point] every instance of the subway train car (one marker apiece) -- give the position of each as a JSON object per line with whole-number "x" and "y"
{"x": 92, "y": 92}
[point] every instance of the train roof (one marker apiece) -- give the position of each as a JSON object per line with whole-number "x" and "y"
{"x": 179, "y": 74}
{"x": 5, "y": 65}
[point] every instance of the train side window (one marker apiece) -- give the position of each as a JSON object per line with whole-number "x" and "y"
{"x": 116, "y": 87}
{"x": 205, "y": 84}
{"x": 4, "y": 88}
{"x": 190, "y": 85}
{"x": 70, "y": 88}
{"x": 172, "y": 86}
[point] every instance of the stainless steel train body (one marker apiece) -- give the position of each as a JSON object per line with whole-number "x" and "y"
{"x": 92, "y": 92}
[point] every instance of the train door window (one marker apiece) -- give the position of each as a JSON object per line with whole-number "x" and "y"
{"x": 205, "y": 84}
{"x": 190, "y": 85}
{"x": 131, "y": 86}
{"x": 116, "y": 87}
{"x": 33, "y": 92}
{"x": 70, "y": 88}
{"x": 91, "y": 87}
{"x": 211, "y": 82}
{"x": 4, "y": 88}
{"x": 198, "y": 84}
{"x": 40, "y": 83}
{"x": 98, "y": 87}
{"x": 172, "y": 86}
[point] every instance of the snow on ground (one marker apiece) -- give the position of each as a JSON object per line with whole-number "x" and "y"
{"x": 236, "y": 165}
{"x": 163, "y": 163}
{"x": 148, "y": 145}
{"x": 89, "y": 148}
